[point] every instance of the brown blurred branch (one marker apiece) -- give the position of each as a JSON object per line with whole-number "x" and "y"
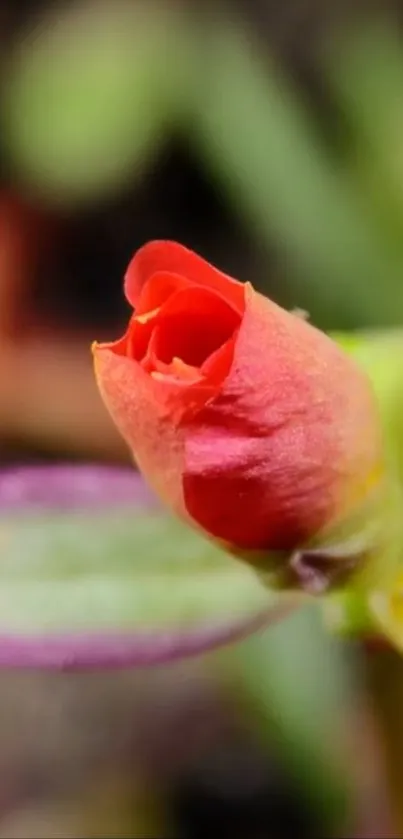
{"x": 384, "y": 670}
{"x": 48, "y": 397}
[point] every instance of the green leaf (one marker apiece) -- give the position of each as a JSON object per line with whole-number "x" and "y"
{"x": 377, "y": 612}
{"x": 364, "y": 66}
{"x": 86, "y": 99}
{"x": 380, "y": 355}
{"x": 262, "y": 143}
{"x": 118, "y": 571}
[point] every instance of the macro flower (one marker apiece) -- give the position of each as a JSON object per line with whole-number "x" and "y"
{"x": 246, "y": 420}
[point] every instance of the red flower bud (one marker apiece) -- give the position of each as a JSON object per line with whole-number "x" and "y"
{"x": 246, "y": 419}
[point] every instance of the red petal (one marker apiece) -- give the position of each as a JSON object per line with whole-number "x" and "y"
{"x": 194, "y": 324}
{"x": 170, "y": 257}
{"x": 218, "y": 365}
{"x": 170, "y": 396}
{"x": 138, "y": 406}
{"x": 158, "y": 289}
{"x": 283, "y": 446}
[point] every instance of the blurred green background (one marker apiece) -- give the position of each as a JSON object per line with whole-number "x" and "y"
{"x": 268, "y": 137}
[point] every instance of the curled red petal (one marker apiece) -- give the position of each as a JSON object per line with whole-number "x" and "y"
{"x": 158, "y": 289}
{"x": 192, "y": 325}
{"x": 171, "y": 257}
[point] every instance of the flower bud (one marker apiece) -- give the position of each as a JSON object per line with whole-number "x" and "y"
{"x": 245, "y": 419}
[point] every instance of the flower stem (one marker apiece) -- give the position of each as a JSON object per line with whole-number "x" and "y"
{"x": 384, "y": 670}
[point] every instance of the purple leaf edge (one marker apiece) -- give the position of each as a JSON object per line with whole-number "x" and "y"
{"x": 66, "y": 487}
{"x": 69, "y": 487}
{"x": 94, "y": 651}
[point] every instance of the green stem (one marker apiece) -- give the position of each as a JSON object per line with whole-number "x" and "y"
{"x": 384, "y": 670}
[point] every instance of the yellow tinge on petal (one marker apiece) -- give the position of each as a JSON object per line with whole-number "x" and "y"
{"x": 386, "y": 607}
{"x": 147, "y": 316}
